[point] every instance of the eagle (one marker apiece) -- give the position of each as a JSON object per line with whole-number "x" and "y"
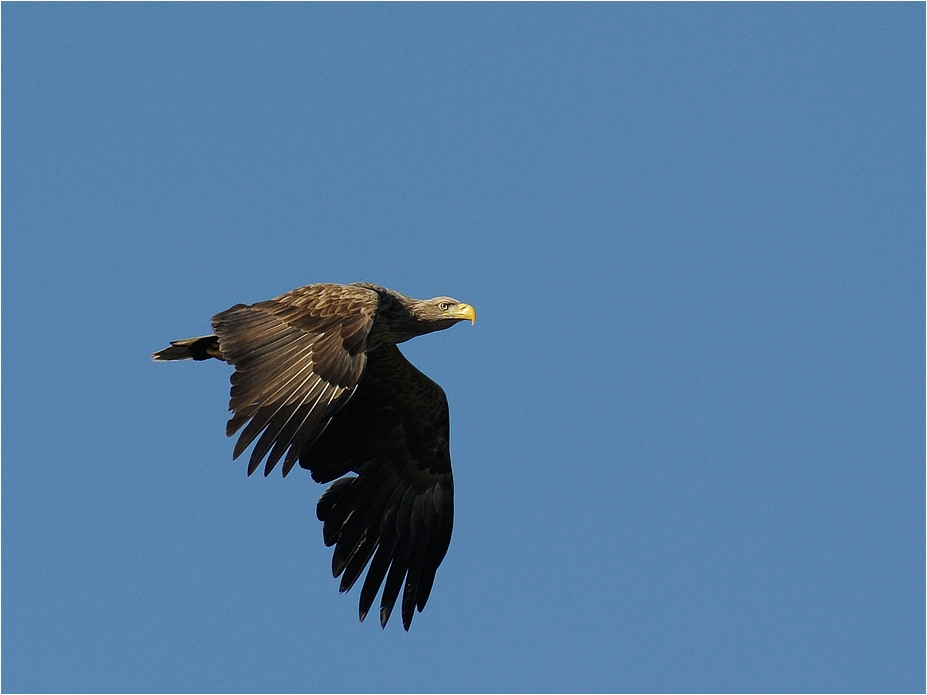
{"x": 319, "y": 379}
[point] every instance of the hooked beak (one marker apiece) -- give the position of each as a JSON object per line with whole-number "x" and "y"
{"x": 465, "y": 311}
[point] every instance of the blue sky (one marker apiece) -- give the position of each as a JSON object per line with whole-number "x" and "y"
{"x": 687, "y": 428}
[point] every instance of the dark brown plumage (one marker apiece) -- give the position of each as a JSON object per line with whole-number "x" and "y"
{"x": 318, "y": 379}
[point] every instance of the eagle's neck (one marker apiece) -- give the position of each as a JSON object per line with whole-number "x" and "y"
{"x": 396, "y": 319}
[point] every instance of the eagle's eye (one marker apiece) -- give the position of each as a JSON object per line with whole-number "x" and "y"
{"x": 444, "y": 306}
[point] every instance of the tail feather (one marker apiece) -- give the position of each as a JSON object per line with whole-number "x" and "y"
{"x": 202, "y": 348}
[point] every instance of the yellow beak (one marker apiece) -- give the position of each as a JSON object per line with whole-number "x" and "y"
{"x": 465, "y": 311}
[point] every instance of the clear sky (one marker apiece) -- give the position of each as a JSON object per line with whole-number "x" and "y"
{"x": 687, "y": 427}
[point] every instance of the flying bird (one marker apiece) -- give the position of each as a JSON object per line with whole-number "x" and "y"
{"x": 318, "y": 379}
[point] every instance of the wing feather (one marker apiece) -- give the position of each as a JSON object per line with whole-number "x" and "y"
{"x": 413, "y": 578}
{"x": 371, "y": 497}
{"x": 376, "y": 573}
{"x": 397, "y": 512}
{"x": 298, "y": 359}
{"x": 395, "y": 577}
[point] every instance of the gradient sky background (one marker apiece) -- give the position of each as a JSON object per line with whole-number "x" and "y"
{"x": 688, "y": 426}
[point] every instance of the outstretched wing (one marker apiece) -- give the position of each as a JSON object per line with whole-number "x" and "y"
{"x": 298, "y": 359}
{"x": 399, "y": 508}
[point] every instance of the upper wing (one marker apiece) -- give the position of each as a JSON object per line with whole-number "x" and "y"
{"x": 394, "y": 433}
{"x": 298, "y": 359}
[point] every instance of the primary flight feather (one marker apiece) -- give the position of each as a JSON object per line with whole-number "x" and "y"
{"x": 318, "y": 379}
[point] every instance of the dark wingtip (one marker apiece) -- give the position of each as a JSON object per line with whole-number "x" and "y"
{"x": 384, "y": 615}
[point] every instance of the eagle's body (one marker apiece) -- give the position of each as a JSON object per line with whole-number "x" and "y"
{"x": 318, "y": 379}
